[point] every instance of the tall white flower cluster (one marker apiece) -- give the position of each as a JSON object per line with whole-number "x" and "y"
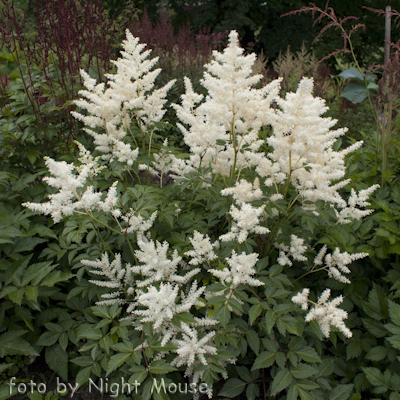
{"x": 155, "y": 292}
{"x": 74, "y": 194}
{"x": 222, "y": 132}
{"x": 325, "y": 312}
{"x": 302, "y": 148}
{"x": 130, "y": 96}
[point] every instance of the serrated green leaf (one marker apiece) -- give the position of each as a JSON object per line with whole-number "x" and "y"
{"x": 48, "y": 338}
{"x": 232, "y": 388}
{"x": 16, "y": 296}
{"x": 377, "y": 353}
{"x": 303, "y": 371}
{"x": 252, "y": 391}
{"x": 281, "y": 381}
{"x": 31, "y": 292}
{"x": 341, "y": 392}
{"x": 304, "y": 394}
{"x": 270, "y": 319}
{"x": 83, "y": 361}
{"x": 264, "y": 360}
{"x": 116, "y": 361}
{"x": 55, "y": 277}
{"x": 293, "y": 393}
{"x": 161, "y": 367}
{"x": 374, "y": 376}
{"x": 308, "y": 354}
{"x": 253, "y": 340}
{"x": 325, "y": 368}
{"x": 394, "y": 312}
{"x": 11, "y": 344}
{"x": 223, "y": 315}
{"x": 244, "y": 373}
{"x": 83, "y": 376}
{"x": 57, "y": 360}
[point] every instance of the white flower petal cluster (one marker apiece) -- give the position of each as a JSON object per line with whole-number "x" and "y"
{"x": 156, "y": 264}
{"x": 160, "y": 304}
{"x": 346, "y": 215}
{"x": 240, "y": 271}
{"x": 203, "y": 250}
{"x": 129, "y": 96}
{"x": 246, "y": 220}
{"x": 326, "y": 314}
{"x": 223, "y": 130}
{"x": 296, "y": 250}
{"x": 302, "y": 298}
{"x": 302, "y": 148}
{"x": 69, "y": 198}
{"x": 336, "y": 264}
{"x": 136, "y": 223}
{"x": 111, "y": 200}
{"x": 191, "y": 349}
{"x": 117, "y": 276}
{"x": 244, "y": 192}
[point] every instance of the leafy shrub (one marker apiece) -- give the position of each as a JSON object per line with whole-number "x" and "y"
{"x": 210, "y": 268}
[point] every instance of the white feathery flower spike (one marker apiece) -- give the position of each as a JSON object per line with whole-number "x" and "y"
{"x": 69, "y": 198}
{"x": 337, "y": 262}
{"x": 302, "y": 298}
{"x": 130, "y": 95}
{"x": 244, "y": 192}
{"x": 347, "y": 214}
{"x": 191, "y": 349}
{"x": 223, "y": 130}
{"x": 326, "y": 314}
{"x": 247, "y": 220}
{"x": 240, "y": 271}
{"x": 302, "y": 145}
{"x": 203, "y": 250}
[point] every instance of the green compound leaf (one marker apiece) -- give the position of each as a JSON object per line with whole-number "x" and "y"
{"x": 57, "y": 360}
{"x": 232, "y": 388}
{"x": 264, "y": 360}
{"x": 11, "y": 344}
{"x": 394, "y": 312}
{"x": 341, "y": 392}
{"x": 161, "y": 367}
{"x": 303, "y": 371}
{"x": 116, "y": 361}
{"x": 308, "y": 354}
{"x": 281, "y": 381}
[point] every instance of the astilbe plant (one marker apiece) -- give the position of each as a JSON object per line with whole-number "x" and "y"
{"x": 248, "y": 183}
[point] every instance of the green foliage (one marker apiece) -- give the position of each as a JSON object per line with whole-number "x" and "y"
{"x": 47, "y": 301}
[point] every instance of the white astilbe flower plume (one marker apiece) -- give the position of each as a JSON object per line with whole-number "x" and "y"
{"x": 156, "y": 264}
{"x": 244, "y": 192}
{"x": 191, "y": 349}
{"x": 336, "y": 264}
{"x": 326, "y": 314}
{"x": 296, "y": 250}
{"x": 118, "y": 277}
{"x": 246, "y": 220}
{"x": 303, "y": 148}
{"x": 136, "y": 223}
{"x": 230, "y": 118}
{"x": 129, "y": 96}
{"x": 302, "y": 298}
{"x": 240, "y": 271}
{"x": 69, "y": 198}
{"x": 203, "y": 250}
{"x": 346, "y": 215}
